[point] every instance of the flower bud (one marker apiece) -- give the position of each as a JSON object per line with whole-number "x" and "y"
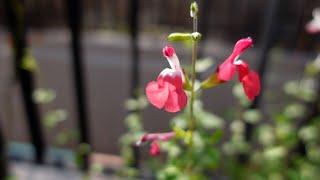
{"x": 196, "y": 36}
{"x": 194, "y": 9}
{"x": 180, "y": 37}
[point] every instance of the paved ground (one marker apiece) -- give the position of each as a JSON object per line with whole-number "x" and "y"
{"x": 28, "y": 171}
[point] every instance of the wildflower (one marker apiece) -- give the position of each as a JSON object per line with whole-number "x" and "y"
{"x": 167, "y": 92}
{"x": 314, "y": 25}
{"x": 227, "y": 69}
{"x": 249, "y": 79}
{"x": 154, "y": 138}
{"x": 154, "y": 148}
{"x": 225, "y": 72}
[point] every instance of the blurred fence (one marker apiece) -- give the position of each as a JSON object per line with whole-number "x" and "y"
{"x": 229, "y": 18}
{"x": 281, "y": 21}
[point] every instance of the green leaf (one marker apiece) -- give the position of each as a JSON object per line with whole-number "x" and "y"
{"x": 204, "y": 64}
{"x": 238, "y": 92}
{"x": 266, "y": 135}
{"x": 308, "y": 133}
{"x": 29, "y": 63}
{"x": 275, "y": 153}
{"x": 52, "y": 118}
{"x": 180, "y": 37}
{"x": 196, "y": 36}
{"x": 295, "y": 111}
{"x": 252, "y": 116}
{"x": 216, "y": 136}
{"x": 194, "y": 9}
{"x": 64, "y": 137}
{"x": 237, "y": 127}
{"x": 97, "y": 168}
{"x": 136, "y": 104}
{"x": 133, "y": 122}
{"x": 43, "y": 96}
{"x": 209, "y": 121}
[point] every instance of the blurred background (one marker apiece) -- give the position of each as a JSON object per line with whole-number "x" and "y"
{"x": 93, "y": 54}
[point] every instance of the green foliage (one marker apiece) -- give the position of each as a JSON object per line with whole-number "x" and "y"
{"x": 273, "y": 152}
{"x": 204, "y": 64}
{"x": 29, "y": 63}
{"x": 52, "y": 118}
{"x": 134, "y": 132}
{"x": 180, "y": 37}
{"x": 82, "y": 149}
{"x": 43, "y": 96}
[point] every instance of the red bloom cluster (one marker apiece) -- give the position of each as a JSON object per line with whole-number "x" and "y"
{"x": 155, "y": 138}
{"x": 167, "y": 92}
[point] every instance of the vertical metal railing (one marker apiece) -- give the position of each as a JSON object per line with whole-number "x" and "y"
{"x": 133, "y": 7}
{"x": 74, "y": 17}
{"x": 267, "y": 40}
{"x": 3, "y": 156}
{"x": 15, "y": 14}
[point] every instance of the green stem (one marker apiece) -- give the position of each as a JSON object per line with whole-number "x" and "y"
{"x": 193, "y": 75}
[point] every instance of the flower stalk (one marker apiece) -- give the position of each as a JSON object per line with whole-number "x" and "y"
{"x": 193, "y": 13}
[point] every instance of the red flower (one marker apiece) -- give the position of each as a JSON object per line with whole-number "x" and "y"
{"x": 313, "y": 26}
{"x": 167, "y": 92}
{"x": 227, "y": 69}
{"x": 154, "y": 148}
{"x": 155, "y": 138}
{"x": 250, "y": 80}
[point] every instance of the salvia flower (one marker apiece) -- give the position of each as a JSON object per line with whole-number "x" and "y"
{"x": 155, "y": 138}
{"x": 249, "y": 79}
{"x": 167, "y": 92}
{"x": 227, "y": 69}
{"x": 225, "y": 72}
{"x": 314, "y": 25}
{"x": 154, "y": 148}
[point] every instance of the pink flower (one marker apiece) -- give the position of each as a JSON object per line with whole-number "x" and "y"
{"x": 154, "y": 138}
{"x": 250, "y": 80}
{"x": 167, "y": 92}
{"x": 313, "y": 26}
{"x": 154, "y": 148}
{"x": 227, "y": 69}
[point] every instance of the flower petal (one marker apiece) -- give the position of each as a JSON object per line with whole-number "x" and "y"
{"x": 314, "y": 25}
{"x": 251, "y": 85}
{"x": 156, "y": 136}
{"x": 173, "y": 60}
{"x": 226, "y": 70}
{"x": 177, "y": 100}
{"x": 171, "y": 76}
{"x": 243, "y": 69}
{"x": 154, "y": 148}
{"x": 242, "y": 45}
{"x": 168, "y": 51}
{"x": 157, "y": 94}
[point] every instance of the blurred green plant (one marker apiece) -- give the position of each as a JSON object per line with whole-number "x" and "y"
{"x": 133, "y": 122}
{"x": 273, "y": 153}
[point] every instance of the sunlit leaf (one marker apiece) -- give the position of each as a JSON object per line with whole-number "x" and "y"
{"x": 44, "y": 96}
{"x": 29, "y": 63}
{"x": 204, "y": 64}
{"x": 52, "y": 118}
{"x": 252, "y": 116}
